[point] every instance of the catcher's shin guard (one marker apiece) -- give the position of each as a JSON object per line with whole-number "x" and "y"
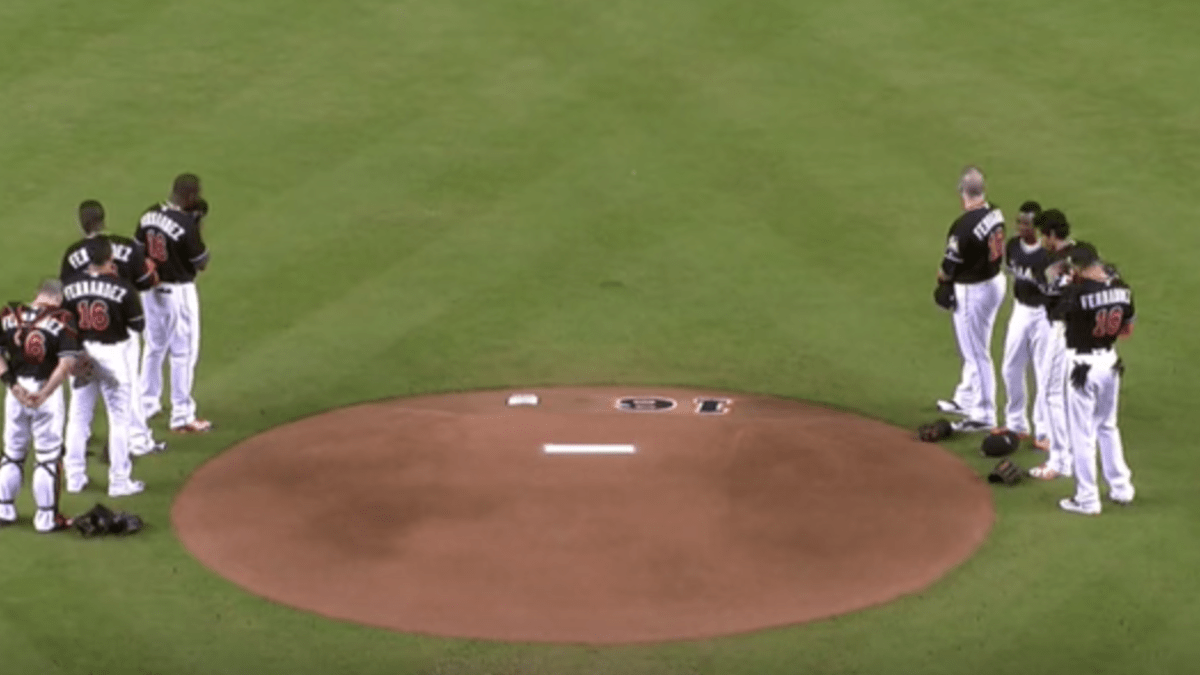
{"x": 12, "y": 474}
{"x": 46, "y": 484}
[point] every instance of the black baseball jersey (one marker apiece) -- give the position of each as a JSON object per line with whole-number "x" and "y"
{"x": 1096, "y": 312}
{"x": 105, "y": 307}
{"x": 172, "y": 240}
{"x": 1027, "y": 265}
{"x": 128, "y": 254}
{"x": 1054, "y": 283}
{"x": 975, "y": 246}
{"x": 34, "y": 339}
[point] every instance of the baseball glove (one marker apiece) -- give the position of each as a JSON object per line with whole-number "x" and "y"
{"x": 943, "y": 295}
{"x": 101, "y": 520}
{"x": 1006, "y": 472}
{"x": 934, "y": 431}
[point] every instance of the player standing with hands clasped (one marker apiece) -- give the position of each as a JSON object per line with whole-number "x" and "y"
{"x": 40, "y": 348}
{"x": 171, "y": 234}
{"x": 106, "y": 309}
{"x": 1028, "y": 330}
{"x": 1097, "y": 309}
{"x": 971, "y": 286}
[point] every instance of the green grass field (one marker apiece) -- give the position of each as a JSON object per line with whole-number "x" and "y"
{"x": 417, "y": 195}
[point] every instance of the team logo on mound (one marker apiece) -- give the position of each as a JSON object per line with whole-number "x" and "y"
{"x": 646, "y": 404}
{"x": 703, "y": 406}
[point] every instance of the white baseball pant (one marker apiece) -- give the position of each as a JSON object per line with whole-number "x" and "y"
{"x": 172, "y": 329}
{"x": 1054, "y": 369}
{"x": 974, "y": 320}
{"x": 1093, "y": 421}
{"x": 1024, "y": 343}
{"x": 115, "y": 367}
{"x": 44, "y": 427}
{"x": 81, "y": 410}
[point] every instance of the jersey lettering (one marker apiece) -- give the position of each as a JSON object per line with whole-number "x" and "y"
{"x": 1109, "y": 296}
{"x": 984, "y": 227}
{"x": 78, "y": 259}
{"x": 103, "y": 289}
{"x": 157, "y": 219}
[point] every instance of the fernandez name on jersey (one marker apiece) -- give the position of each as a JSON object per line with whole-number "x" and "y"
{"x": 105, "y": 307}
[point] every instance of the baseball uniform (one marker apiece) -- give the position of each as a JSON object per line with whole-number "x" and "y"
{"x": 1094, "y": 314}
{"x": 1026, "y": 336}
{"x": 1054, "y": 365}
{"x": 34, "y": 341}
{"x": 973, "y": 257}
{"x": 133, "y": 266}
{"x": 173, "y": 241}
{"x": 108, "y": 311}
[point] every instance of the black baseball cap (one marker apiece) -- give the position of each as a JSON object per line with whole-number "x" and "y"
{"x": 1084, "y": 254}
{"x": 1031, "y": 207}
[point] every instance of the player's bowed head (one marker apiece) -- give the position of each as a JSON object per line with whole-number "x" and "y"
{"x": 972, "y": 188}
{"x": 100, "y": 253}
{"x": 91, "y": 217}
{"x": 185, "y": 191}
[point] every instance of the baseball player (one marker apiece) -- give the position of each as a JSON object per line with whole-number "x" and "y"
{"x": 972, "y": 261}
{"x": 171, "y": 233}
{"x": 133, "y": 266}
{"x": 1056, "y": 231}
{"x": 1025, "y": 340}
{"x": 1096, "y": 309}
{"x": 40, "y": 347}
{"x": 107, "y": 309}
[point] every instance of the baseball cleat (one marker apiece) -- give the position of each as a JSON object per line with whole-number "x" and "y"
{"x": 950, "y": 407}
{"x": 970, "y": 425}
{"x": 153, "y": 449}
{"x": 126, "y": 489}
{"x": 197, "y": 426}
{"x": 61, "y": 523}
{"x": 1075, "y": 507}
{"x": 76, "y": 485}
{"x": 7, "y": 522}
{"x": 1122, "y": 500}
{"x": 1046, "y": 472}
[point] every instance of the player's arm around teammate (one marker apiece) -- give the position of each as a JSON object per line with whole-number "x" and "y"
{"x": 40, "y": 344}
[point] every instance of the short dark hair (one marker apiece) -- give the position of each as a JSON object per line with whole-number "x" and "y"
{"x": 1084, "y": 254}
{"x": 91, "y": 216}
{"x": 99, "y": 251}
{"x": 1053, "y": 221}
{"x": 186, "y": 185}
{"x": 1031, "y": 207}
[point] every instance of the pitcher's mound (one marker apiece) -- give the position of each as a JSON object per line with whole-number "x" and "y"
{"x": 599, "y": 515}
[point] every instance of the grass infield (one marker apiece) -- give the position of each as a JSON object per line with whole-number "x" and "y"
{"x": 418, "y": 196}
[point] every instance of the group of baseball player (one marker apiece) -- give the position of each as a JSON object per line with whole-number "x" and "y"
{"x": 82, "y": 330}
{"x": 1070, "y": 307}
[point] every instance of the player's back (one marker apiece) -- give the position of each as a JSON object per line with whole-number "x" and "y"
{"x": 105, "y": 307}
{"x": 36, "y": 338}
{"x": 172, "y": 240}
{"x": 128, "y": 254}
{"x": 977, "y": 237}
{"x": 1097, "y": 312}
